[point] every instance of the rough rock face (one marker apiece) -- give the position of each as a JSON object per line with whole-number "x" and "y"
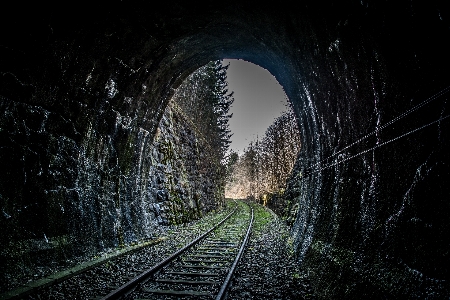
{"x": 88, "y": 201}
{"x": 80, "y": 94}
{"x": 183, "y": 181}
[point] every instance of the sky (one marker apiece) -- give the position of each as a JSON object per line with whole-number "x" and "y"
{"x": 258, "y": 100}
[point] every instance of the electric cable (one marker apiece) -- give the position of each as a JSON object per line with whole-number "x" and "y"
{"x": 401, "y": 116}
{"x": 380, "y": 145}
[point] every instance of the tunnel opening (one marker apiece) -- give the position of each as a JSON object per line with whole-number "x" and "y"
{"x": 266, "y": 138}
{"x": 75, "y": 96}
{"x": 272, "y": 157}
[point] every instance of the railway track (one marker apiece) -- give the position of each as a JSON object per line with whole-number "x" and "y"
{"x": 202, "y": 269}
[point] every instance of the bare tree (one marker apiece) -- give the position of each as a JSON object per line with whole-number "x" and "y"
{"x": 262, "y": 170}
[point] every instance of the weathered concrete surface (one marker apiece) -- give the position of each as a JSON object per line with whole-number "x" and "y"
{"x": 76, "y": 86}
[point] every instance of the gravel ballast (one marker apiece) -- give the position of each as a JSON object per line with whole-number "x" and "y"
{"x": 268, "y": 269}
{"x": 100, "y": 280}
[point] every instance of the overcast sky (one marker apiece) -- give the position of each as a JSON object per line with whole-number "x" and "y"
{"x": 259, "y": 99}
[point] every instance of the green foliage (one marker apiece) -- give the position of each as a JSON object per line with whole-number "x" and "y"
{"x": 230, "y": 162}
{"x": 262, "y": 216}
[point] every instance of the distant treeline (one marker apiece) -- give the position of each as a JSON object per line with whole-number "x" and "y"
{"x": 261, "y": 171}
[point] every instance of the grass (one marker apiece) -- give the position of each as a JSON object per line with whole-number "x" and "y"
{"x": 262, "y": 216}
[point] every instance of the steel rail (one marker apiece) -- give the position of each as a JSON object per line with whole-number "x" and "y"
{"x": 133, "y": 283}
{"x": 222, "y": 293}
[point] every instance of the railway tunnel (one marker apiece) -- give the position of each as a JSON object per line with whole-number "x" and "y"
{"x": 368, "y": 81}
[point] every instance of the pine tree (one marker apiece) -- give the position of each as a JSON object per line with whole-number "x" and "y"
{"x": 205, "y": 99}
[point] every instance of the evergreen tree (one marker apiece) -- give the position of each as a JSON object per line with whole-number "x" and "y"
{"x": 205, "y": 99}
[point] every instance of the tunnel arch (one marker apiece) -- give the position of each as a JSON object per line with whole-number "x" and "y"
{"x": 347, "y": 68}
{"x": 234, "y": 40}
{"x": 215, "y": 44}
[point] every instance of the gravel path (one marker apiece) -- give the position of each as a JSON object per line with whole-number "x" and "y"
{"x": 268, "y": 269}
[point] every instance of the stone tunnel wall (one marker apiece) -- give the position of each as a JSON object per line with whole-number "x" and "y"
{"x": 368, "y": 194}
{"x": 69, "y": 201}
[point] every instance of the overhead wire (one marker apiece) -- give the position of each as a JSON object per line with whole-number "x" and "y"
{"x": 401, "y": 116}
{"x": 378, "y": 129}
{"x": 382, "y": 144}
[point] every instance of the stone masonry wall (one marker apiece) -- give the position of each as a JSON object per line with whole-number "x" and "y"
{"x": 92, "y": 199}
